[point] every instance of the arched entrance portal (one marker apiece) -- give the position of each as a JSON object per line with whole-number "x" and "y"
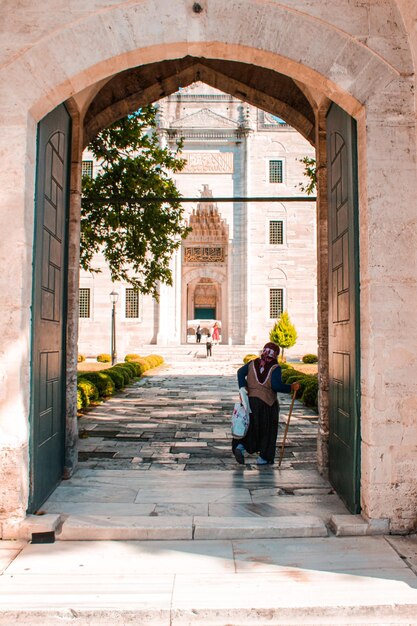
{"x": 293, "y": 63}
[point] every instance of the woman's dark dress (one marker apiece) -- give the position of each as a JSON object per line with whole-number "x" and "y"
{"x": 263, "y": 426}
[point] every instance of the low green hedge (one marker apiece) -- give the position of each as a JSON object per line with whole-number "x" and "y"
{"x": 310, "y": 394}
{"x": 95, "y": 385}
{"x": 117, "y": 377}
{"x": 88, "y": 392}
{"x": 309, "y": 387}
{"x": 104, "y": 358}
{"x": 124, "y": 372}
{"x": 132, "y": 357}
{"x": 102, "y": 381}
{"x": 310, "y": 358}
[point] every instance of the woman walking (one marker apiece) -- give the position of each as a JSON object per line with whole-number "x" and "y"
{"x": 259, "y": 381}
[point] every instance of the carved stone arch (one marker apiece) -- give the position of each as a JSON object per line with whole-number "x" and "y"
{"x": 277, "y": 274}
{"x": 206, "y": 272}
{"x": 273, "y": 146}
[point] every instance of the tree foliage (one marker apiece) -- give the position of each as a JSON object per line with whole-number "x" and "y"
{"x": 310, "y": 172}
{"x": 283, "y": 332}
{"x": 136, "y": 237}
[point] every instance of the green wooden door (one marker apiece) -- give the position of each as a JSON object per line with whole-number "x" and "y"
{"x": 344, "y": 347}
{"x": 47, "y": 444}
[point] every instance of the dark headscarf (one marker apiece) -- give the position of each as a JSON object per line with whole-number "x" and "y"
{"x": 268, "y": 358}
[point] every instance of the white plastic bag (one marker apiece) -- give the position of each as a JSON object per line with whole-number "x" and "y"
{"x": 240, "y": 421}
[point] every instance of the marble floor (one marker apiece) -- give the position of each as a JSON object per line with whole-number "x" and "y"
{"x": 162, "y": 448}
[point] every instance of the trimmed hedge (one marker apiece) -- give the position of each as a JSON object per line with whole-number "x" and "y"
{"x": 309, "y": 386}
{"x": 249, "y": 357}
{"x": 310, "y": 358}
{"x": 117, "y": 377}
{"x": 104, "y": 358}
{"x": 123, "y": 372}
{"x": 102, "y": 381}
{"x": 144, "y": 363}
{"x": 88, "y": 392}
{"x": 132, "y": 357}
{"x": 310, "y": 394}
{"x": 95, "y": 385}
{"x": 81, "y": 358}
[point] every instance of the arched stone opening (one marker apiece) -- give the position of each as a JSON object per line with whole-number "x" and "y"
{"x": 367, "y": 79}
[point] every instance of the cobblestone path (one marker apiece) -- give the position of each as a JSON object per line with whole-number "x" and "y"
{"x": 178, "y": 418}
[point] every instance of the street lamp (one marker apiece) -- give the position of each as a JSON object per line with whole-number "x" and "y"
{"x": 114, "y": 296}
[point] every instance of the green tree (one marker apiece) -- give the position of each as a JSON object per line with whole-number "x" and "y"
{"x": 283, "y": 332}
{"x": 136, "y": 236}
{"x": 310, "y": 172}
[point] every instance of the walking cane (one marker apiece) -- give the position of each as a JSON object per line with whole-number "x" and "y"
{"x": 286, "y": 428}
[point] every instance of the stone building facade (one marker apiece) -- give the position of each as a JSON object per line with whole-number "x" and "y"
{"x": 342, "y": 73}
{"x": 244, "y": 262}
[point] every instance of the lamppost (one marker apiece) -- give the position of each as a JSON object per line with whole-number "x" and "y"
{"x": 114, "y": 296}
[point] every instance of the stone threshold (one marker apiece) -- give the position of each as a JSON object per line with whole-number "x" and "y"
{"x": 50, "y": 527}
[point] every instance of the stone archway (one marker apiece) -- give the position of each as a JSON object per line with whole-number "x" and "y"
{"x": 330, "y": 61}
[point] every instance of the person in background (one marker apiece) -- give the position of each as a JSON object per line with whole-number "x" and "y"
{"x": 216, "y": 333}
{"x": 208, "y": 344}
{"x": 198, "y": 334}
{"x": 259, "y": 381}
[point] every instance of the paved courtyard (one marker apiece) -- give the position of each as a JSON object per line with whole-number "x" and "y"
{"x": 178, "y": 418}
{"x": 230, "y": 545}
{"x": 162, "y": 448}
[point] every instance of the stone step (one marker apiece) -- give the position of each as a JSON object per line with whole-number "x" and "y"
{"x": 283, "y": 582}
{"x": 129, "y": 528}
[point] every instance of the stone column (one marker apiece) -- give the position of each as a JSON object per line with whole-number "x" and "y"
{"x": 71, "y": 443}
{"x": 18, "y": 155}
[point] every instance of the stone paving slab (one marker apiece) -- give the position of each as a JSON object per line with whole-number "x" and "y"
{"x": 286, "y": 582}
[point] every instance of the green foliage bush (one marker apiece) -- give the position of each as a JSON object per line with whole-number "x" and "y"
{"x": 102, "y": 381}
{"x": 310, "y": 393}
{"x": 104, "y": 358}
{"x": 88, "y": 392}
{"x": 79, "y": 399}
{"x": 117, "y": 377}
{"x": 310, "y": 358}
{"x": 132, "y": 357}
{"x": 81, "y": 358}
{"x": 127, "y": 371}
{"x": 95, "y": 385}
{"x": 283, "y": 333}
{"x": 249, "y": 357}
{"x": 286, "y": 372}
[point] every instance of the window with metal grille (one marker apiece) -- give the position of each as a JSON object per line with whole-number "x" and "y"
{"x": 87, "y": 168}
{"x": 275, "y": 171}
{"x": 84, "y": 310}
{"x": 132, "y": 303}
{"x": 276, "y": 297}
{"x": 276, "y": 232}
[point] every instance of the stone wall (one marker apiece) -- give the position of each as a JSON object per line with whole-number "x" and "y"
{"x": 358, "y": 54}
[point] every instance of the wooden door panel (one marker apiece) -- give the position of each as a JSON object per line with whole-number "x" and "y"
{"x": 49, "y": 302}
{"x": 344, "y": 348}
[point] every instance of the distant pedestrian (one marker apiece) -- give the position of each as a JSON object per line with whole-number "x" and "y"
{"x": 198, "y": 334}
{"x": 216, "y": 333}
{"x": 208, "y": 345}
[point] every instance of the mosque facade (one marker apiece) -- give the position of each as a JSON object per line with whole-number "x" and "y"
{"x": 244, "y": 261}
